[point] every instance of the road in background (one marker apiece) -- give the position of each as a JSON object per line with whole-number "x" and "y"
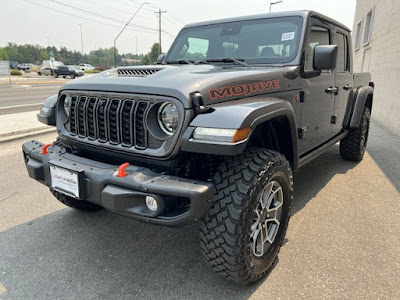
{"x": 343, "y": 240}
{"x": 23, "y": 98}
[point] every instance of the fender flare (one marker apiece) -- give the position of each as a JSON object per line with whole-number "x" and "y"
{"x": 236, "y": 115}
{"x": 359, "y": 100}
{"x": 47, "y": 114}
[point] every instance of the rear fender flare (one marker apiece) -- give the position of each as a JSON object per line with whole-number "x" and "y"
{"x": 359, "y": 101}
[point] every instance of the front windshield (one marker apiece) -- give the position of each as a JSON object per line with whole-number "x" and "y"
{"x": 263, "y": 41}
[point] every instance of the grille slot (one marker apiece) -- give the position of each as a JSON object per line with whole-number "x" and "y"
{"x": 127, "y": 123}
{"x": 112, "y": 120}
{"x": 101, "y": 120}
{"x": 81, "y": 116}
{"x": 73, "y": 114}
{"x": 140, "y": 130}
{"x": 90, "y": 118}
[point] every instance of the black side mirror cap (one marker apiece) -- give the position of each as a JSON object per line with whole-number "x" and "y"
{"x": 325, "y": 57}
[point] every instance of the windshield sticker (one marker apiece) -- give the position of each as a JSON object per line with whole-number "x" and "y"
{"x": 287, "y": 36}
{"x": 243, "y": 89}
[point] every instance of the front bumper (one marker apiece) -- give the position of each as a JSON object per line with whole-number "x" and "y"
{"x": 181, "y": 201}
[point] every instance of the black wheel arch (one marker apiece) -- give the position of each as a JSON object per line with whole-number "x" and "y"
{"x": 272, "y": 123}
{"x": 358, "y": 99}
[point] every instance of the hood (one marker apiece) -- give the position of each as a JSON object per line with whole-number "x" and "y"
{"x": 216, "y": 83}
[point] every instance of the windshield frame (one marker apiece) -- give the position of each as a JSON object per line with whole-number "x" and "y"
{"x": 292, "y": 60}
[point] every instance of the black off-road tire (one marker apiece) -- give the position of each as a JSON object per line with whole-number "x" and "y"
{"x": 56, "y": 75}
{"x": 352, "y": 147}
{"x": 225, "y": 231}
{"x": 72, "y": 76}
{"x": 81, "y": 205}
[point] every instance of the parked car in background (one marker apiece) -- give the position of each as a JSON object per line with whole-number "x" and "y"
{"x": 25, "y": 67}
{"x": 72, "y": 71}
{"x": 86, "y": 67}
{"x": 13, "y": 64}
{"x": 46, "y": 71}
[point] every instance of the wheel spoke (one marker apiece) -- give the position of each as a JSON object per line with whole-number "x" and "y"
{"x": 266, "y": 219}
{"x": 265, "y": 196}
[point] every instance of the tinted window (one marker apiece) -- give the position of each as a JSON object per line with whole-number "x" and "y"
{"x": 342, "y": 64}
{"x": 256, "y": 41}
{"x": 318, "y": 36}
{"x": 357, "y": 37}
{"x": 367, "y": 30}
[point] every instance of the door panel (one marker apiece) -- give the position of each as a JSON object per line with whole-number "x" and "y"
{"x": 317, "y": 108}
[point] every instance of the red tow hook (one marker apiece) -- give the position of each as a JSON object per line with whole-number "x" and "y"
{"x": 121, "y": 170}
{"x": 44, "y": 149}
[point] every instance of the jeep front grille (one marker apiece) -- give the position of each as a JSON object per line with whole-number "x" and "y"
{"x": 113, "y": 120}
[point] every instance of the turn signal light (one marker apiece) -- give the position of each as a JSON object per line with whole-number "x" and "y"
{"x": 241, "y": 134}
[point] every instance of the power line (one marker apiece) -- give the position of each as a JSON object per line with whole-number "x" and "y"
{"x": 98, "y": 15}
{"x": 176, "y": 22}
{"x": 84, "y": 18}
{"x": 180, "y": 25}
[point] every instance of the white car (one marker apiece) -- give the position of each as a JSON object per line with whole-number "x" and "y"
{"x": 86, "y": 67}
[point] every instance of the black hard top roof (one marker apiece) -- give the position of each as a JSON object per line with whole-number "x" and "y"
{"x": 301, "y": 13}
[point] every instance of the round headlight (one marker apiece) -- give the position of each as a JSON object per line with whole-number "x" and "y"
{"x": 168, "y": 118}
{"x": 67, "y": 105}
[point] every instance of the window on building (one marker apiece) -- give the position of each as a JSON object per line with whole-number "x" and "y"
{"x": 318, "y": 36}
{"x": 358, "y": 36}
{"x": 368, "y": 27}
{"x": 343, "y": 53}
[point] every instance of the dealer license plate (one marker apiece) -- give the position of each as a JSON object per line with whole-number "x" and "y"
{"x": 65, "y": 181}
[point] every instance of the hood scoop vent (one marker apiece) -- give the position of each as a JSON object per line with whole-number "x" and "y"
{"x": 137, "y": 72}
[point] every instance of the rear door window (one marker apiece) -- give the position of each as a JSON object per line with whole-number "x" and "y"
{"x": 343, "y": 53}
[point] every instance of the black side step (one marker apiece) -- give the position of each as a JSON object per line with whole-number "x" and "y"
{"x": 314, "y": 153}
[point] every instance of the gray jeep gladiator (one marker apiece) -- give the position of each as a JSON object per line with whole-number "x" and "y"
{"x": 211, "y": 133}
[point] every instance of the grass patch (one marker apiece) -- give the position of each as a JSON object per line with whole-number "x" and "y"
{"x": 92, "y": 71}
{"x": 15, "y": 72}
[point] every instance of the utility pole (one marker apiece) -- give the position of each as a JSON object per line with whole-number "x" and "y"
{"x": 115, "y": 41}
{"x": 80, "y": 25}
{"x": 159, "y": 12}
{"x": 136, "y": 45}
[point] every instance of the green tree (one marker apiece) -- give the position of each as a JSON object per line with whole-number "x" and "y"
{"x": 151, "y": 57}
{"x": 3, "y": 54}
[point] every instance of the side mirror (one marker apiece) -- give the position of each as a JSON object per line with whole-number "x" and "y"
{"x": 325, "y": 57}
{"x": 160, "y": 58}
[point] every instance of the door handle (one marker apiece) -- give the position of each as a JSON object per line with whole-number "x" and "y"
{"x": 347, "y": 87}
{"x": 332, "y": 90}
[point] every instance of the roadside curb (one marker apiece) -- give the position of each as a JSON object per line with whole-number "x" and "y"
{"x": 8, "y": 137}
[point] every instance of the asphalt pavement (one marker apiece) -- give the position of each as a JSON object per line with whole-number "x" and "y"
{"x": 343, "y": 240}
{"x": 23, "y": 98}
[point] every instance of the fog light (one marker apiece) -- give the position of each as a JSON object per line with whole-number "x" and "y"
{"x": 151, "y": 203}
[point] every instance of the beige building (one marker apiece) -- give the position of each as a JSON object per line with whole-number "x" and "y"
{"x": 376, "y": 41}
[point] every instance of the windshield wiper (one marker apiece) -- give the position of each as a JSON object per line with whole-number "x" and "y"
{"x": 181, "y": 62}
{"x": 238, "y": 61}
